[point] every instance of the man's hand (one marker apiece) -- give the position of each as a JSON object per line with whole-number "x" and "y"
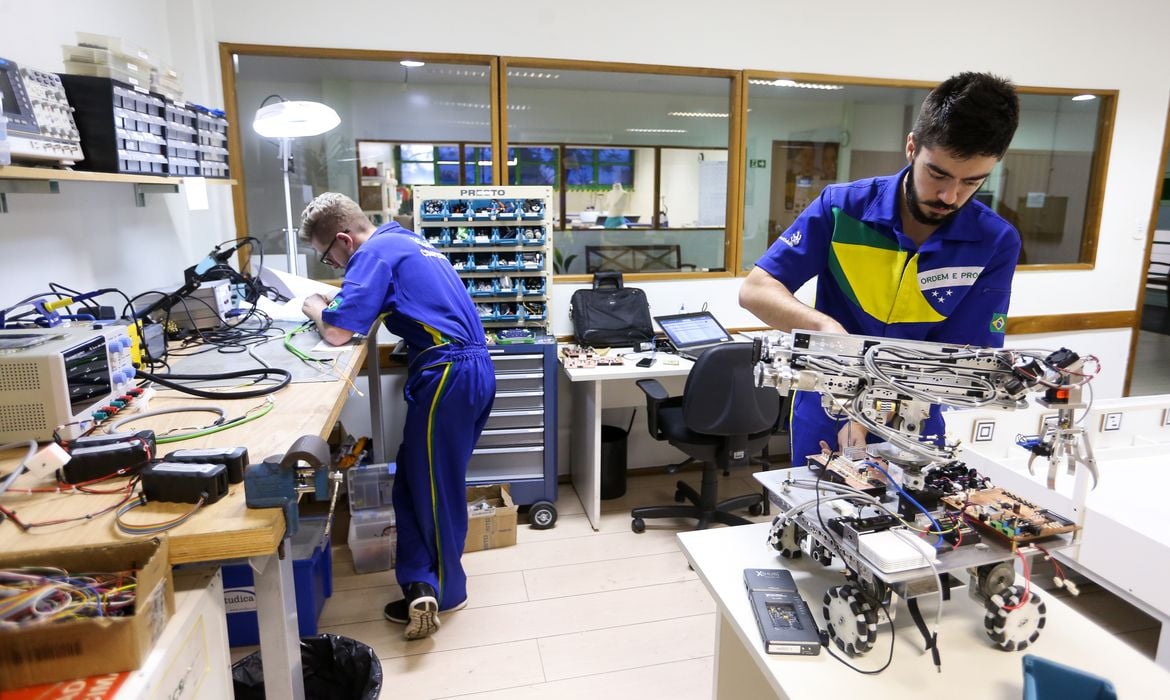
{"x": 851, "y": 435}
{"x": 313, "y": 306}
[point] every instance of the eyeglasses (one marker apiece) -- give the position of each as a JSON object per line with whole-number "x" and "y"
{"x": 325, "y": 259}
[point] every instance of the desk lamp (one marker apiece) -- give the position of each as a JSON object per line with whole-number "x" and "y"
{"x": 286, "y": 120}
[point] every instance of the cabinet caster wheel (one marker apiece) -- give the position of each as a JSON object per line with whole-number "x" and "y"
{"x": 542, "y": 515}
{"x": 755, "y": 509}
{"x": 638, "y": 525}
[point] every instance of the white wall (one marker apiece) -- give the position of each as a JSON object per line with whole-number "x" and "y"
{"x": 91, "y": 235}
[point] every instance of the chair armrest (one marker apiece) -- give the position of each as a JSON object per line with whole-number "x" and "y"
{"x": 655, "y": 395}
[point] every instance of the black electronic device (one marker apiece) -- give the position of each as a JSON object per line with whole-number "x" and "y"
{"x": 97, "y": 461}
{"x": 694, "y": 333}
{"x": 123, "y": 128}
{"x": 784, "y": 619}
{"x": 146, "y": 436}
{"x": 234, "y": 458}
{"x": 182, "y": 482}
{"x": 646, "y": 362}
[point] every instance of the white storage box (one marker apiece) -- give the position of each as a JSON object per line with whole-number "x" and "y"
{"x": 372, "y": 538}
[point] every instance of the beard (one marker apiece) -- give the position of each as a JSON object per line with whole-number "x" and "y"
{"x": 915, "y": 205}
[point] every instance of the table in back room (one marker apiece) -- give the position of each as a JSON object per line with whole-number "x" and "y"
{"x": 594, "y": 388}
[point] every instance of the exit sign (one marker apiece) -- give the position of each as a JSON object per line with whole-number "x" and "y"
{"x": 757, "y": 163}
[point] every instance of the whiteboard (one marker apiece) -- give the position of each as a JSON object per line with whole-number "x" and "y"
{"x": 712, "y": 193}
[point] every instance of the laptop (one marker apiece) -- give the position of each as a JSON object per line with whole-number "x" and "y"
{"x": 693, "y": 334}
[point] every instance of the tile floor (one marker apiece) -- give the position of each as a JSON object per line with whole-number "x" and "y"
{"x": 572, "y": 613}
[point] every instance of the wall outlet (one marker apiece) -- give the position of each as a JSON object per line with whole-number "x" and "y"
{"x": 984, "y": 431}
{"x": 1111, "y": 422}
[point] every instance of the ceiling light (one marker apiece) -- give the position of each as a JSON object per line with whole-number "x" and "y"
{"x": 658, "y": 131}
{"x": 1084, "y": 98}
{"x": 406, "y": 62}
{"x": 784, "y": 82}
{"x": 700, "y": 115}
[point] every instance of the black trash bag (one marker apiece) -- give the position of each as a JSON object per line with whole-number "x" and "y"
{"x": 335, "y": 668}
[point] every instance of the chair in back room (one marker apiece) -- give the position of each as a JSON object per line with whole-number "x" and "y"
{"x": 721, "y": 419}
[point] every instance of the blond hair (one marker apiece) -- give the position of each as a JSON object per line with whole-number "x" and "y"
{"x": 330, "y": 213}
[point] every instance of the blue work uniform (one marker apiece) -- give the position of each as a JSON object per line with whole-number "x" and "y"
{"x": 873, "y": 280}
{"x": 449, "y": 389}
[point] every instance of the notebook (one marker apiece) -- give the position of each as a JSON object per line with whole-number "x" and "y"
{"x": 694, "y": 333}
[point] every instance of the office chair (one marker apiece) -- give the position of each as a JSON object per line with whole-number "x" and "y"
{"x": 721, "y": 419}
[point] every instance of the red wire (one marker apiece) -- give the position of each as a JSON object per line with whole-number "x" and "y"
{"x": 1027, "y": 584}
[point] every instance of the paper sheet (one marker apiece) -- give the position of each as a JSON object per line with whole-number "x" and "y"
{"x": 296, "y": 288}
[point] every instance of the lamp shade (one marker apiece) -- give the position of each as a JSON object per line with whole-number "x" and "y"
{"x": 294, "y": 118}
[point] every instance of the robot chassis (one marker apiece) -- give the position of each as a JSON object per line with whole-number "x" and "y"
{"x": 889, "y": 387}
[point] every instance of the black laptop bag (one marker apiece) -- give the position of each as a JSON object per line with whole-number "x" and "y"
{"x": 610, "y": 314}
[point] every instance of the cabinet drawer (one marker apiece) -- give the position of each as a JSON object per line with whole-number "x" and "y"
{"x": 506, "y": 463}
{"x": 518, "y": 400}
{"x": 515, "y": 437}
{"x": 507, "y": 383}
{"x": 515, "y": 419}
{"x": 517, "y": 363}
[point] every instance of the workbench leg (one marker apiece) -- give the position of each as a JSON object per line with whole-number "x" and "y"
{"x": 736, "y": 673}
{"x": 276, "y": 610}
{"x": 1162, "y": 653}
{"x": 585, "y": 455}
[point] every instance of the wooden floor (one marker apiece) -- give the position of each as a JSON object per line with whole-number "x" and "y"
{"x": 571, "y": 613}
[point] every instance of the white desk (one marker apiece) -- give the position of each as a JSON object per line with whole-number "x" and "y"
{"x": 587, "y": 401}
{"x": 971, "y": 667}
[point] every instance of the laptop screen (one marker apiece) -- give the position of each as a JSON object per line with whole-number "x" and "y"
{"x": 692, "y": 330}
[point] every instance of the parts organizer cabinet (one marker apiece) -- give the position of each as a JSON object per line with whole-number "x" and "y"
{"x": 518, "y": 445}
{"x": 499, "y": 240}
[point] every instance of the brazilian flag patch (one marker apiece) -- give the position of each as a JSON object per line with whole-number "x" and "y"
{"x": 998, "y": 323}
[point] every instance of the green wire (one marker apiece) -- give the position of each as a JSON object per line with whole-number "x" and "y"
{"x": 297, "y": 352}
{"x": 219, "y": 428}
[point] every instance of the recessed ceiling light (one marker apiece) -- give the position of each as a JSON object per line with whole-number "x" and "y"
{"x": 658, "y": 131}
{"x": 783, "y": 82}
{"x": 699, "y": 115}
{"x": 1084, "y": 98}
{"x": 411, "y": 64}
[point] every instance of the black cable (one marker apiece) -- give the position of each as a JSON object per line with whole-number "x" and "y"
{"x": 889, "y": 659}
{"x": 284, "y": 374}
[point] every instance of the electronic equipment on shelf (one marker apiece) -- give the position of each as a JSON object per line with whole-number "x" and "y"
{"x": 40, "y": 119}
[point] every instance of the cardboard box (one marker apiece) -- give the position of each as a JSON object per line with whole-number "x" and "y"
{"x": 492, "y": 525}
{"x": 91, "y": 646}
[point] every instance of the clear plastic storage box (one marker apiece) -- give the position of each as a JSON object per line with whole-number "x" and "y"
{"x": 372, "y": 537}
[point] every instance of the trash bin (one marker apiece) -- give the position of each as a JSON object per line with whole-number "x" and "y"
{"x": 334, "y": 667}
{"x": 613, "y": 461}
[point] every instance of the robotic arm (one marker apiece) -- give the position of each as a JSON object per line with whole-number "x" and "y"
{"x": 889, "y": 385}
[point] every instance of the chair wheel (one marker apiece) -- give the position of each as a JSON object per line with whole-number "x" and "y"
{"x": 638, "y": 525}
{"x": 542, "y": 515}
{"x": 679, "y": 496}
{"x": 755, "y": 509}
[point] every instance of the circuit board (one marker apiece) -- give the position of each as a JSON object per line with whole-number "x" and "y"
{"x": 1008, "y": 516}
{"x": 841, "y": 470}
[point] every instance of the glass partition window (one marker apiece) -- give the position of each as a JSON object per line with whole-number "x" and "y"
{"x": 637, "y": 163}
{"x": 400, "y": 126}
{"x": 802, "y": 136}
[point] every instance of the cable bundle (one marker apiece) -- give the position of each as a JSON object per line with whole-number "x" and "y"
{"x": 34, "y": 595}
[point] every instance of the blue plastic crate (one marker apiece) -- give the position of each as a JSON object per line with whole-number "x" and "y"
{"x": 312, "y": 575}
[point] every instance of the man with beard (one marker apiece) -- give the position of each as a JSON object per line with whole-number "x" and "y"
{"x": 911, "y": 256}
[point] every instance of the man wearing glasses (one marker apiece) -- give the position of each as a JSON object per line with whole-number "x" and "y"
{"x": 394, "y": 274}
{"x": 913, "y": 255}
